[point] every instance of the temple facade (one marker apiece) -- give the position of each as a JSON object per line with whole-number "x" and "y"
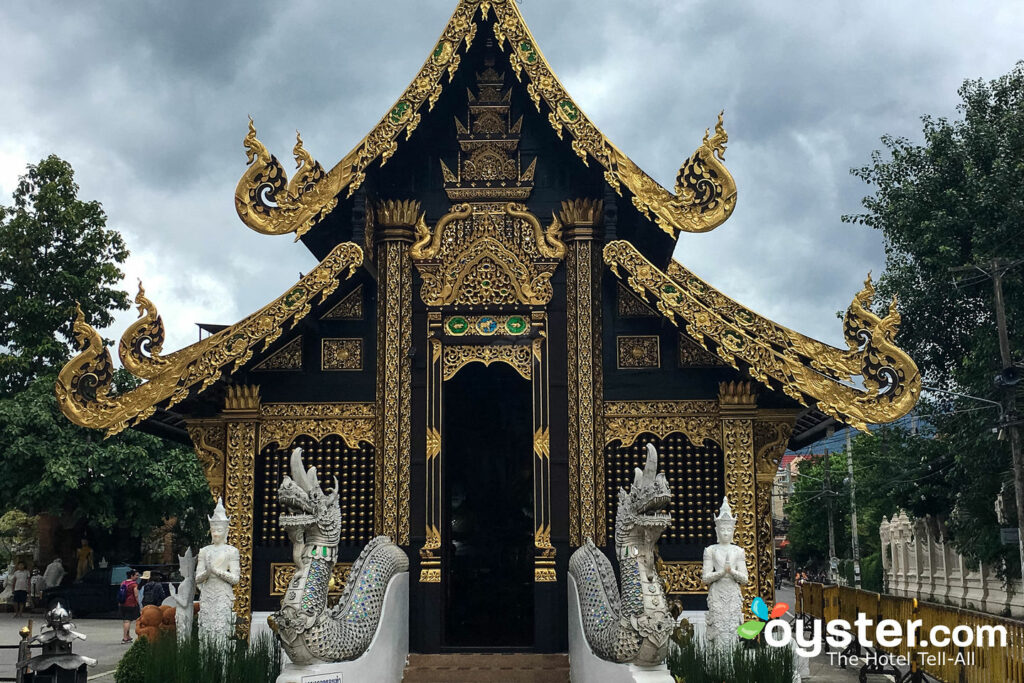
{"x": 495, "y": 330}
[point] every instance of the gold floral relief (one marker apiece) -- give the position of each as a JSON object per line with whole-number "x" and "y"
{"x": 349, "y": 308}
{"x": 287, "y": 358}
{"x": 239, "y": 486}
{"x": 281, "y": 574}
{"x": 638, "y": 352}
{"x": 341, "y": 354}
{"x": 281, "y": 423}
{"x": 209, "y": 441}
{"x": 625, "y": 421}
{"x": 457, "y": 356}
{"x": 813, "y": 373}
{"x": 682, "y": 578}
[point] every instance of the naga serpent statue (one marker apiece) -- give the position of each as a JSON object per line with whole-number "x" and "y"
{"x": 631, "y": 624}
{"x": 309, "y": 631}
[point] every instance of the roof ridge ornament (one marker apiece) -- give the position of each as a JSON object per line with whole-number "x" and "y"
{"x": 807, "y": 370}
{"x": 83, "y": 386}
{"x": 703, "y": 198}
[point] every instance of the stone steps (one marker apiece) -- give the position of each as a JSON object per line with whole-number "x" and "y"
{"x": 487, "y": 668}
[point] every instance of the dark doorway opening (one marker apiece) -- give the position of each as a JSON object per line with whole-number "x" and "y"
{"x": 488, "y": 484}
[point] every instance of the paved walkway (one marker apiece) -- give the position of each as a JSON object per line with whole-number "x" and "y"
{"x": 103, "y": 643}
{"x": 821, "y": 668}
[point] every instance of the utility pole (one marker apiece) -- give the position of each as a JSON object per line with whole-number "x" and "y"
{"x": 853, "y": 511}
{"x": 827, "y": 484}
{"x": 1007, "y": 380}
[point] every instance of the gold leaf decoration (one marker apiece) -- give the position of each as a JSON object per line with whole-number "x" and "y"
{"x": 83, "y": 385}
{"x": 809, "y": 371}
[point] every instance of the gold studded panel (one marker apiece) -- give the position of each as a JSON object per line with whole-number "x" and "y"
{"x": 332, "y": 458}
{"x": 694, "y": 473}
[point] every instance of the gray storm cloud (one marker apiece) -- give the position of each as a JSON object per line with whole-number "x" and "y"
{"x": 149, "y": 102}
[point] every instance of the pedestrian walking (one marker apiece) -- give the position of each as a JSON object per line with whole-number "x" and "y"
{"x": 22, "y": 583}
{"x": 128, "y": 603}
{"x": 152, "y": 591}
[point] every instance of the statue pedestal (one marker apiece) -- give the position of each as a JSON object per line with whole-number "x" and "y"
{"x": 383, "y": 661}
{"x": 586, "y": 667}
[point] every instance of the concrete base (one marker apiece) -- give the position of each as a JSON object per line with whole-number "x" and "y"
{"x": 586, "y": 667}
{"x": 383, "y": 661}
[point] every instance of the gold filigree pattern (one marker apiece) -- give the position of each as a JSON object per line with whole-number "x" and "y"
{"x": 262, "y": 198}
{"x": 209, "y": 441}
{"x": 341, "y": 354}
{"x": 682, "y": 578}
{"x": 704, "y": 195}
{"x": 349, "y": 308}
{"x": 457, "y": 356}
{"x": 487, "y": 254}
{"x": 736, "y": 403}
{"x": 628, "y": 305}
{"x": 288, "y": 358}
{"x": 394, "y": 389}
{"x": 281, "y": 423}
{"x": 83, "y": 386}
{"x": 625, "y": 421}
{"x": 705, "y": 192}
{"x": 239, "y": 487}
{"x": 771, "y": 437}
{"x": 281, "y": 574}
{"x": 586, "y": 461}
{"x": 638, "y": 352}
{"x": 691, "y": 354}
{"x": 808, "y": 371}
{"x": 143, "y": 341}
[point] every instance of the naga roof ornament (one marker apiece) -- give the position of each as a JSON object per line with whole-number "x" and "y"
{"x": 703, "y": 197}
{"x": 84, "y": 385}
{"x": 809, "y": 371}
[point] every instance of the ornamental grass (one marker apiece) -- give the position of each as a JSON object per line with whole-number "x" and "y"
{"x": 194, "y": 661}
{"x": 691, "y": 661}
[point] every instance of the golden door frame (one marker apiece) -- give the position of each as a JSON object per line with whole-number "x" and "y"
{"x": 530, "y": 358}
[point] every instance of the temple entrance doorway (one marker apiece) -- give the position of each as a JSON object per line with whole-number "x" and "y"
{"x": 488, "y": 540}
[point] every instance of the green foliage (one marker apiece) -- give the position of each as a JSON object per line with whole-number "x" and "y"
{"x": 132, "y": 667}
{"x": 132, "y": 481}
{"x": 17, "y": 535}
{"x": 953, "y": 202}
{"x": 806, "y": 510}
{"x": 55, "y": 250}
{"x": 690, "y": 661}
{"x": 871, "y": 573}
{"x": 167, "y": 661}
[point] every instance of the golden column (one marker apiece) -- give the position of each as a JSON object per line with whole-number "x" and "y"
{"x": 584, "y": 265}
{"x": 393, "y": 233}
{"x": 738, "y": 408}
{"x": 241, "y": 416}
{"x": 771, "y": 437}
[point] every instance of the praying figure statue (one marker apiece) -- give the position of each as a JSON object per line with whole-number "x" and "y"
{"x": 182, "y": 598}
{"x": 725, "y": 570}
{"x": 217, "y": 573}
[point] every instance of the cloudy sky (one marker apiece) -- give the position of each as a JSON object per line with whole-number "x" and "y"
{"x": 148, "y": 101}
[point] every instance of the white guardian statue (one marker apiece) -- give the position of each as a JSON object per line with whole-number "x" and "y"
{"x": 182, "y": 599}
{"x": 216, "y": 575}
{"x": 725, "y": 570}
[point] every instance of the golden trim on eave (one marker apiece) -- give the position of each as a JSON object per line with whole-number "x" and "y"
{"x": 813, "y": 373}
{"x": 704, "y": 195}
{"x": 83, "y": 386}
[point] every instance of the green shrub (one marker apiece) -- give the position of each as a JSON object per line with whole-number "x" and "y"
{"x": 132, "y": 667}
{"x": 690, "y": 661}
{"x": 167, "y": 661}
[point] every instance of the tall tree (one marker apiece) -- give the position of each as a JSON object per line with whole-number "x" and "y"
{"x": 55, "y": 250}
{"x": 951, "y": 202}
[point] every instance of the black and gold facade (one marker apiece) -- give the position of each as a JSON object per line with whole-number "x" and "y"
{"x": 486, "y": 237}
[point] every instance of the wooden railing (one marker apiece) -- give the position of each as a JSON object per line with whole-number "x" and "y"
{"x": 977, "y": 663}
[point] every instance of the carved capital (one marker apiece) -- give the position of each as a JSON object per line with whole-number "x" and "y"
{"x": 242, "y": 400}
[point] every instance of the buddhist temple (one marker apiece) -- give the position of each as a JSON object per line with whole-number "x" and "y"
{"x": 495, "y": 330}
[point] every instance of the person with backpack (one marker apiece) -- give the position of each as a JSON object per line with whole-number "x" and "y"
{"x": 128, "y": 603}
{"x": 153, "y": 591}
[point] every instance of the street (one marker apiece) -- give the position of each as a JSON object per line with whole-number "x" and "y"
{"x": 103, "y": 643}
